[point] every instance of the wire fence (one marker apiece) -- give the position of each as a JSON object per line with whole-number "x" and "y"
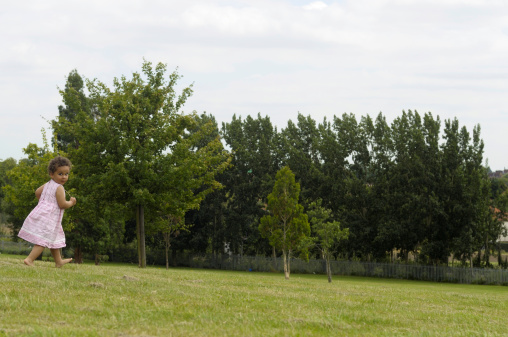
{"x": 496, "y": 276}
{"x": 18, "y": 248}
{"x": 15, "y": 248}
{"x": 349, "y": 268}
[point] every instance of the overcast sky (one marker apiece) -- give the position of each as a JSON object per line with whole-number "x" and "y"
{"x": 276, "y": 58}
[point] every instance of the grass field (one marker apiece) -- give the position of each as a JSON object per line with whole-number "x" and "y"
{"x": 123, "y": 300}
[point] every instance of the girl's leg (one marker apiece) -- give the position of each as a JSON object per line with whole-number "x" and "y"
{"x": 58, "y": 258}
{"x": 36, "y": 251}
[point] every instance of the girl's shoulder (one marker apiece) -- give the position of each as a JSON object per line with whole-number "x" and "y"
{"x": 54, "y": 183}
{"x": 54, "y": 186}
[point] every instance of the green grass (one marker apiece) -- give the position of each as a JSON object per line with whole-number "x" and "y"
{"x": 123, "y": 300}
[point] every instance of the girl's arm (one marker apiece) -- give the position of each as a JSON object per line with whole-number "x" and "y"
{"x": 38, "y": 192}
{"x": 60, "y": 199}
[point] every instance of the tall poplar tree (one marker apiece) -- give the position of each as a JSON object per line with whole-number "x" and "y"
{"x": 253, "y": 143}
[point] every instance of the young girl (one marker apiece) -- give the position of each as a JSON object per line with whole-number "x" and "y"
{"x": 43, "y": 226}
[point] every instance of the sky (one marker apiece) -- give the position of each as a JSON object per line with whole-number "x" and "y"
{"x": 277, "y": 58}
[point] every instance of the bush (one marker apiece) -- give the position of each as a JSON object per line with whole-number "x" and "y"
{"x": 357, "y": 269}
{"x": 479, "y": 279}
{"x": 378, "y": 272}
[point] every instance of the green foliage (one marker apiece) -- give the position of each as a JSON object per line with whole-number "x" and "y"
{"x": 99, "y": 218}
{"x": 133, "y": 149}
{"x": 402, "y": 187}
{"x": 286, "y": 226}
{"x": 5, "y": 166}
{"x": 328, "y": 233}
{"x": 196, "y": 161}
{"x": 253, "y": 143}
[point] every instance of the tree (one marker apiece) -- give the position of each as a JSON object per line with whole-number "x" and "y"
{"x": 328, "y": 233}
{"x": 170, "y": 225}
{"x": 5, "y": 166}
{"x": 433, "y": 246}
{"x": 465, "y": 191}
{"x": 381, "y": 167}
{"x": 248, "y": 182}
{"x": 99, "y": 221}
{"x": 286, "y": 226}
{"x": 75, "y": 101}
{"x": 209, "y": 227}
{"x": 406, "y": 184}
{"x": 299, "y": 150}
{"x": 195, "y": 161}
{"x": 358, "y": 202}
{"x": 131, "y": 146}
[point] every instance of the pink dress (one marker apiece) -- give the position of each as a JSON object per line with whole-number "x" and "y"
{"x": 43, "y": 226}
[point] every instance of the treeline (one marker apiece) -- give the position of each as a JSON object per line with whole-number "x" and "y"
{"x": 412, "y": 186}
{"x": 416, "y": 185}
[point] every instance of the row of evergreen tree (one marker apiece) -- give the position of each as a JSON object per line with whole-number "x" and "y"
{"x": 416, "y": 185}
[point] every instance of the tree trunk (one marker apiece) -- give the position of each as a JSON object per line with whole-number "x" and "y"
{"x": 286, "y": 264}
{"x": 274, "y": 258}
{"x": 167, "y": 258}
{"x": 328, "y": 269}
{"x": 167, "y": 245}
{"x": 289, "y": 262}
{"x": 78, "y": 255}
{"x": 140, "y": 222}
{"x": 487, "y": 252}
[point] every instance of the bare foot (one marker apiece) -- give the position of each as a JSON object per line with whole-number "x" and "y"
{"x": 28, "y": 262}
{"x": 62, "y": 262}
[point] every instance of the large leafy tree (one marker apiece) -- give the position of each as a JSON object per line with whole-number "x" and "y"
{"x": 209, "y": 226}
{"x": 99, "y": 222}
{"x": 195, "y": 162}
{"x": 131, "y": 146}
{"x": 286, "y": 226}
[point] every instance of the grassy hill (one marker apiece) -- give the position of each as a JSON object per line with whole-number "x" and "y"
{"x": 123, "y": 300}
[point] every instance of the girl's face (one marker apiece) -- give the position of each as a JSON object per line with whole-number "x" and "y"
{"x": 61, "y": 175}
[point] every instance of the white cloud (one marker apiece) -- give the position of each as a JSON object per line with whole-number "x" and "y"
{"x": 276, "y": 57}
{"x": 316, "y": 5}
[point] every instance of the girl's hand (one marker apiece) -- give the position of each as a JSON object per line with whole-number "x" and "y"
{"x": 73, "y": 200}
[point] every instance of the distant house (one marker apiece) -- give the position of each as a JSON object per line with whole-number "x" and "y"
{"x": 498, "y": 173}
{"x": 503, "y": 238}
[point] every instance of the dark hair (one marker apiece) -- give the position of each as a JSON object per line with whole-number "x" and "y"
{"x": 57, "y": 162}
